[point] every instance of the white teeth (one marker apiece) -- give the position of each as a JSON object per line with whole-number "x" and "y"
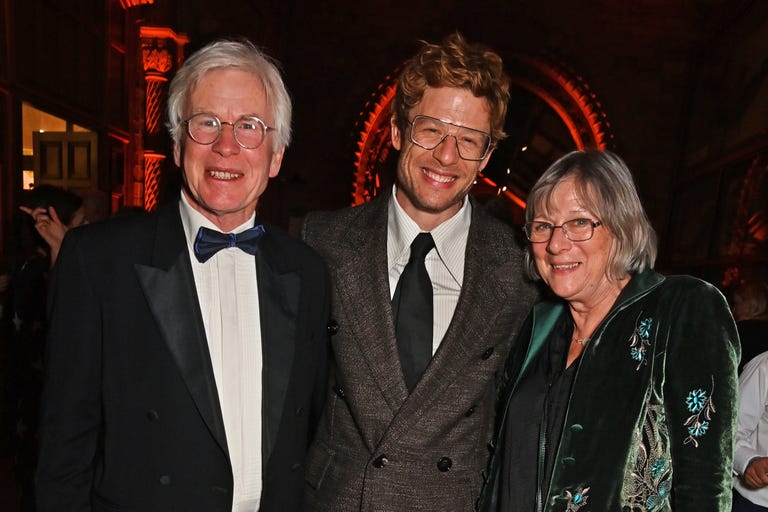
{"x": 223, "y": 175}
{"x": 438, "y": 177}
{"x": 565, "y": 267}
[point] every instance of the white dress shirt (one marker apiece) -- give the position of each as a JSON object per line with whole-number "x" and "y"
{"x": 752, "y": 432}
{"x": 229, "y": 301}
{"x": 444, "y": 263}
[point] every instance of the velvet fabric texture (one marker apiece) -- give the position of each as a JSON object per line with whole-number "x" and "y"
{"x": 652, "y": 414}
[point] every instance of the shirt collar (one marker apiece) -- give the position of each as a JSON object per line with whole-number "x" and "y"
{"x": 450, "y": 236}
{"x": 192, "y": 220}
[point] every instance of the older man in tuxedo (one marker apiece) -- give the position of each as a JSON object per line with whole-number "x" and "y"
{"x": 428, "y": 293}
{"x": 188, "y": 348}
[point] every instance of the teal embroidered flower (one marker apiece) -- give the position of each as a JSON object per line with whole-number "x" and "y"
{"x": 644, "y": 330}
{"x": 696, "y": 400}
{"x": 698, "y": 429}
{"x": 639, "y": 341}
{"x": 700, "y": 405}
{"x": 657, "y": 468}
{"x": 576, "y": 500}
{"x": 655, "y": 500}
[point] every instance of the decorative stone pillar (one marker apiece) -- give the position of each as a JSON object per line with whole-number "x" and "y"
{"x": 162, "y": 51}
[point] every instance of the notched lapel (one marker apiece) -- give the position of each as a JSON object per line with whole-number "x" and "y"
{"x": 172, "y": 297}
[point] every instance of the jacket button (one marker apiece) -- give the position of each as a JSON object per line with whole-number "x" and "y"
{"x": 444, "y": 464}
{"x": 219, "y": 489}
{"x": 487, "y": 353}
{"x": 576, "y": 427}
{"x": 299, "y": 411}
{"x": 152, "y": 415}
{"x": 295, "y": 466}
{"x": 338, "y": 390}
{"x": 381, "y": 461}
{"x": 333, "y": 327}
{"x": 569, "y": 461}
{"x": 165, "y": 480}
{"x": 470, "y": 411}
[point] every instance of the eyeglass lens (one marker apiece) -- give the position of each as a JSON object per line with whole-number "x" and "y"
{"x": 429, "y": 132}
{"x": 206, "y": 129}
{"x": 575, "y": 230}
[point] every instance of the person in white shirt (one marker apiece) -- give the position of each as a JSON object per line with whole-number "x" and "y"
{"x": 751, "y": 448}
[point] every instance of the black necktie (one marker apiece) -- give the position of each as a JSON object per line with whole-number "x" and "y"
{"x": 209, "y": 241}
{"x": 412, "y": 309}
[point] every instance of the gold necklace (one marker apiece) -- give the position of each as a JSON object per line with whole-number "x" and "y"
{"x": 581, "y": 341}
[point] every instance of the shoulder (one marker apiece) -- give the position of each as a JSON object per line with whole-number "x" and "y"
{"x": 289, "y": 252}
{"x": 489, "y": 230}
{"x": 758, "y": 364}
{"x": 113, "y": 234}
{"x": 695, "y": 290}
{"x": 324, "y": 229}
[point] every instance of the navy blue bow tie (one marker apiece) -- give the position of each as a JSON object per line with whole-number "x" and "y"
{"x": 209, "y": 241}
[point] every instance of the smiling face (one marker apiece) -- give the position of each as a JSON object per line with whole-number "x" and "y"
{"x": 576, "y": 271}
{"x": 224, "y": 181}
{"x": 432, "y": 184}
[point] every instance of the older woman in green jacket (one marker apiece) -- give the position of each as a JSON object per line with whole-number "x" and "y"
{"x": 621, "y": 392}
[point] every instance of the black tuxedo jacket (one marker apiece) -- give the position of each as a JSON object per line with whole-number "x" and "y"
{"x": 130, "y": 414}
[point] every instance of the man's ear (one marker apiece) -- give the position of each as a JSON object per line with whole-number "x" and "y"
{"x": 177, "y": 154}
{"x": 394, "y": 132}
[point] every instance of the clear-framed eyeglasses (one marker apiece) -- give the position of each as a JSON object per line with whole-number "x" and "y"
{"x": 575, "y": 230}
{"x": 428, "y": 133}
{"x": 205, "y": 129}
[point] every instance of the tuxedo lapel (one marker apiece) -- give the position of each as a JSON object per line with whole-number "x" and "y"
{"x": 169, "y": 287}
{"x": 279, "y": 293}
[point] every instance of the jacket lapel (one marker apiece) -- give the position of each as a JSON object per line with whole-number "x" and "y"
{"x": 373, "y": 327}
{"x": 169, "y": 287}
{"x": 488, "y": 272}
{"x": 279, "y": 293}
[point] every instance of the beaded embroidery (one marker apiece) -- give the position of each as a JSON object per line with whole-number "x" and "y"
{"x": 647, "y": 486}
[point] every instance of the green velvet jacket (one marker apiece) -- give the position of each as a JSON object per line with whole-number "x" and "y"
{"x": 652, "y": 412}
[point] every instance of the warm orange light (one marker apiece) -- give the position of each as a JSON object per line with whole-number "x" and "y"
{"x": 125, "y": 4}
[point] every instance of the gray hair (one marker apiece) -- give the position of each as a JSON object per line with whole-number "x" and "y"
{"x": 223, "y": 54}
{"x": 605, "y": 187}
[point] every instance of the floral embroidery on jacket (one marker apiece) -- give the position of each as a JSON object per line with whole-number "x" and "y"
{"x": 640, "y": 341}
{"x": 647, "y": 485}
{"x": 576, "y": 500}
{"x": 701, "y": 407}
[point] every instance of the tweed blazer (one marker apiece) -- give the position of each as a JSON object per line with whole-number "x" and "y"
{"x": 651, "y": 417}
{"x": 377, "y": 447}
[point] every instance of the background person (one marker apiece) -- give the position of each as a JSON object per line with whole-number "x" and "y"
{"x": 750, "y": 309}
{"x": 187, "y": 354}
{"x": 410, "y": 409}
{"x": 621, "y": 393}
{"x": 751, "y": 450}
{"x": 49, "y": 212}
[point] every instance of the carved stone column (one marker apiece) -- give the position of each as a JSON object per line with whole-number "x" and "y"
{"x": 162, "y": 51}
